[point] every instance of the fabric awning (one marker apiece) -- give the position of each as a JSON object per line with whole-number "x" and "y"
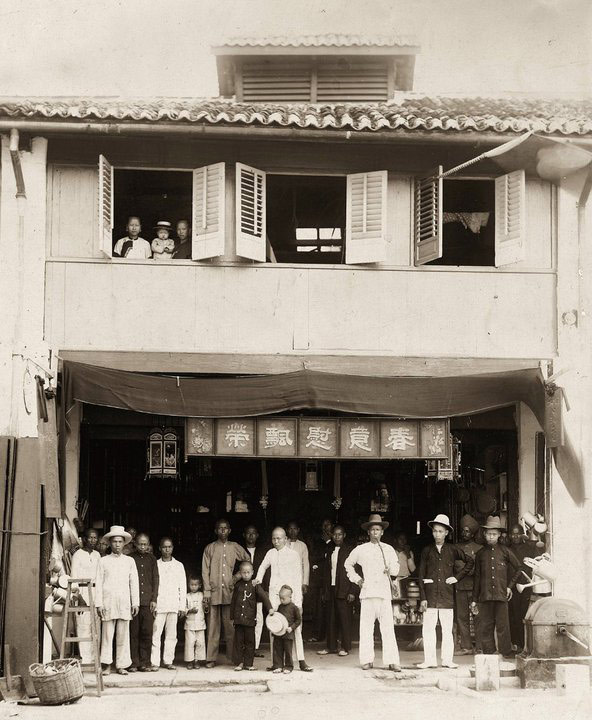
{"x": 405, "y": 397}
{"x": 410, "y": 397}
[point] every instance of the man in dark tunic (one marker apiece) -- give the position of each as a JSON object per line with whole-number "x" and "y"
{"x": 464, "y": 587}
{"x": 141, "y": 626}
{"x": 519, "y": 603}
{"x": 492, "y": 590}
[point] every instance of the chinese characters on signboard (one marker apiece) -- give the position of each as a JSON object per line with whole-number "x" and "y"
{"x": 372, "y": 438}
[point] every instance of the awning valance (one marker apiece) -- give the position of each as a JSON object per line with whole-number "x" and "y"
{"x": 405, "y": 397}
{"x": 412, "y": 397}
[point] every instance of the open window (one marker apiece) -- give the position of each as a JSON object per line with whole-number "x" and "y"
{"x": 326, "y": 220}
{"x": 476, "y": 222}
{"x": 154, "y": 195}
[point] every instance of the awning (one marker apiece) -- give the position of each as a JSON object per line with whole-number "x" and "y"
{"x": 550, "y": 158}
{"x": 409, "y": 397}
{"x": 405, "y": 397}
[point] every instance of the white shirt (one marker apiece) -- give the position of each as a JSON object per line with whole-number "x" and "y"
{"x": 302, "y": 550}
{"x": 195, "y": 621}
{"x": 334, "y": 556}
{"x": 251, "y": 552}
{"x": 286, "y": 569}
{"x": 370, "y": 558}
{"x": 172, "y": 586}
{"x": 118, "y": 587}
{"x": 85, "y": 566}
{"x": 140, "y": 248}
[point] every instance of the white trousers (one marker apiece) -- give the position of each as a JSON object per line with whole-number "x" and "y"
{"x": 119, "y": 628}
{"x": 83, "y": 630}
{"x": 258, "y": 625}
{"x": 373, "y": 609}
{"x": 168, "y": 623}
{"x": 195, "y": 645}
{"x": 428, "y": 632}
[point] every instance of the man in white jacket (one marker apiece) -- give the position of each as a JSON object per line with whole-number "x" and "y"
{"x": 378, "y": 561}
{"x": 85, "y": 566}
{"x": 118, "y": 600}
{"x": 170, "y": 605}
{"x": 286, "y": 569}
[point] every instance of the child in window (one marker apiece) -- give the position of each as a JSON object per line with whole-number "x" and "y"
{"x": 195, "y": 625}
{"x": 163, "y": 244}
{"x": 133, "y": 246}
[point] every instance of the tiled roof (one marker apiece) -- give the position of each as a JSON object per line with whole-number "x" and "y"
{"x": 450, "y": 114}
{"x": 328, "y": 40}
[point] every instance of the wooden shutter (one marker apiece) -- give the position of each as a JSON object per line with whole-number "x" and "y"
{"x": 428, "y": 217}
{"x": 208, "y": 222}
{"x": 365, "y": 233}
{"x": 510, "y": 218}
{"x": 355, "y": 80}
{"x": 105, "y": 206}
{"x": 275, "y": 79}
{"x": 250, "y": 213}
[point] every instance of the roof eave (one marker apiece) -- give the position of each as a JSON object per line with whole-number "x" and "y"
{"x": 125, "y": 129}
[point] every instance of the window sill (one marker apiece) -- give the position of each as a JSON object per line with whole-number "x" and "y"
{"x": 371, "y": 267}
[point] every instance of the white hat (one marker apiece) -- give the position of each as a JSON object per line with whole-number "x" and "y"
{"x": 440, "y": 519}
{"x": 118, "y": 531}
{"x": 277, "y": 624}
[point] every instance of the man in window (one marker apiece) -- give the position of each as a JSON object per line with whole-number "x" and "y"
{"x": 183, "y": 244}
{"x": 133, "y": 246}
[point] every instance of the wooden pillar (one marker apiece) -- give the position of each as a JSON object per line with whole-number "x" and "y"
{"x": 22, "y": 600}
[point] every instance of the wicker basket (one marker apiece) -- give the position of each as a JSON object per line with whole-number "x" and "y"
{"x": 57, "y": 688}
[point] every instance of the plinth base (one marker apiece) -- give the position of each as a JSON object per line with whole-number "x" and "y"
{"x": 540, "y": 673}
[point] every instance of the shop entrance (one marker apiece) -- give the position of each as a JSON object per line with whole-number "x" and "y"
{"x": 115, "y": 482}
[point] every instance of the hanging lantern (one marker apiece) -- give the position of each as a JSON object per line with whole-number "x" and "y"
{"x": 163, "y": 452}
{"x": 310, "y": 480}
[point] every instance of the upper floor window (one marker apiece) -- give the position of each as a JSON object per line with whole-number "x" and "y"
{"x": 470, "y": 222}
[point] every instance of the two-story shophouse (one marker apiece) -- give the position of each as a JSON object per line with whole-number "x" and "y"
{"x": 361, "y": 324}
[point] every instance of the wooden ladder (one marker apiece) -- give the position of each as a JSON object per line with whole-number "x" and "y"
{"x": 94, "y": 631}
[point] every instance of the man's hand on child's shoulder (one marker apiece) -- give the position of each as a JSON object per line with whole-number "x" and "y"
{"x": 271, "y": 612}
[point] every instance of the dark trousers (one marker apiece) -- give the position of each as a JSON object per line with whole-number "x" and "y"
{"x": 282, "y": 651}
{"x": 141, "y": 637}
{"x": 243, "y": 650}
{"x": 318, "y": 612}
{"x": 517, "y": 608}
{"x": 463, "y": 618}
{"x": 493, "y": 616}
{"x": 339, "y": 621}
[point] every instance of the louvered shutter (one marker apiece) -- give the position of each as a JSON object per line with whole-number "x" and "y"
{"x": 510, "y": 218}
{"x": 208, "y": 223}
{"x": 365, "y": 233}
{"x": 428, "y": 217}
{"x": 250, "y": 213}
{"x": 105, "y": 206}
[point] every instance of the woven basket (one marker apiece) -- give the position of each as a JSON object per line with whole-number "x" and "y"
{"x": 64, "y": 686}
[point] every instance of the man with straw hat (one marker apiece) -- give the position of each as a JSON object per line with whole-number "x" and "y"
{"x": 118, "y": 600}
{"x": 436, "y": 581}
{"x": 379, "y": 565}
{"x": 464, "y": 588}
{"x": 492, "y": 591}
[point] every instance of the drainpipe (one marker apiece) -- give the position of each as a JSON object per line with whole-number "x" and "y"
{"x": 21, "y": 204}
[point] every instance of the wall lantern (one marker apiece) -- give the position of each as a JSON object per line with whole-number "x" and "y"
{"x": 310, "y": 477}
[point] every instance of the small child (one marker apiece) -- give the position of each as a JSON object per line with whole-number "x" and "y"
{"x": 133, "y": 246}
{"x": 282, "y": 644}
{"x": 163, "y": 244}
{"x": 195, "y": 625}
{"x": 243, "y": 613}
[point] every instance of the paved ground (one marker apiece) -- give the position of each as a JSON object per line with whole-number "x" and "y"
{"x": 337, "y": 686}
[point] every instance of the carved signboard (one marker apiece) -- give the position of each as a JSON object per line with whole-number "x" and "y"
{"x": 305, "y": 437}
